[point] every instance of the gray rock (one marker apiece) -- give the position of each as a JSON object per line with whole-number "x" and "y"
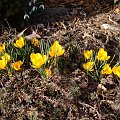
{"x": 55, "y": 11}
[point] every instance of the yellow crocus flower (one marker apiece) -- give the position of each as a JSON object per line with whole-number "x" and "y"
{"x": 6, "y": 58}
{"x": 37, "y": 59}
{"x": 35, "y": 42}
{"x": 56, "y": 50}
{"x": 2, "y": 64}
{"x": 88, "y": 53}
{"x": 17, "y": 65}
{"x": 102, "y": 55}
{"x": 2, "y": 47}
{"x": 19, "y": 43}
{"x": 106, "y": 69}
{"x": 88, "y": 66}
{"x": 116, "y": 71}
{"x": 48, "y": 72}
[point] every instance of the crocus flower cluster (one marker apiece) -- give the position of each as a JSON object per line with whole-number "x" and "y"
{"x": 98, "y": 63}
{"x": 38, "y": 60}
{"x": 5, "y": 58}
{"x": 89, "y": 65}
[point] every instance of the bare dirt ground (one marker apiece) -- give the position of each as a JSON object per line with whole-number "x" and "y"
{"x": 69, "y": 94}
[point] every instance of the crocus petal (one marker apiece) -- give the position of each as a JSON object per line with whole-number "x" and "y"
{"x": 6, "y": 58}
{"x": 102, "y": 55}
{"x": 51, "y": 53}
{"x": 108, "y": 57}
{"x": 19, "y": 43}
{"x": 2, "y": 47}
{"x": 88, "y": 66}
{"x": 17, "y": 65}
{"x": 37, "y": 59}
{"x": 56, "y": 50}
{"x": 60, "y": 53}
{"x": 116, "y": 70}
{"x": 2, "y": 64}
{"x": 55, "y": 46}
{"x": 106, "y": 69}
{"x": 44, "y": 58}
{"x": 87, "y": 54}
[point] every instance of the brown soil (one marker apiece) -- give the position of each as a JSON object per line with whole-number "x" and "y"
{"x": 69, "y": 94}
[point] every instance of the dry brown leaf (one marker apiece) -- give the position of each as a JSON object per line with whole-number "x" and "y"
{"x": 21, "y": 33}
{"x": 31, "y": 36}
